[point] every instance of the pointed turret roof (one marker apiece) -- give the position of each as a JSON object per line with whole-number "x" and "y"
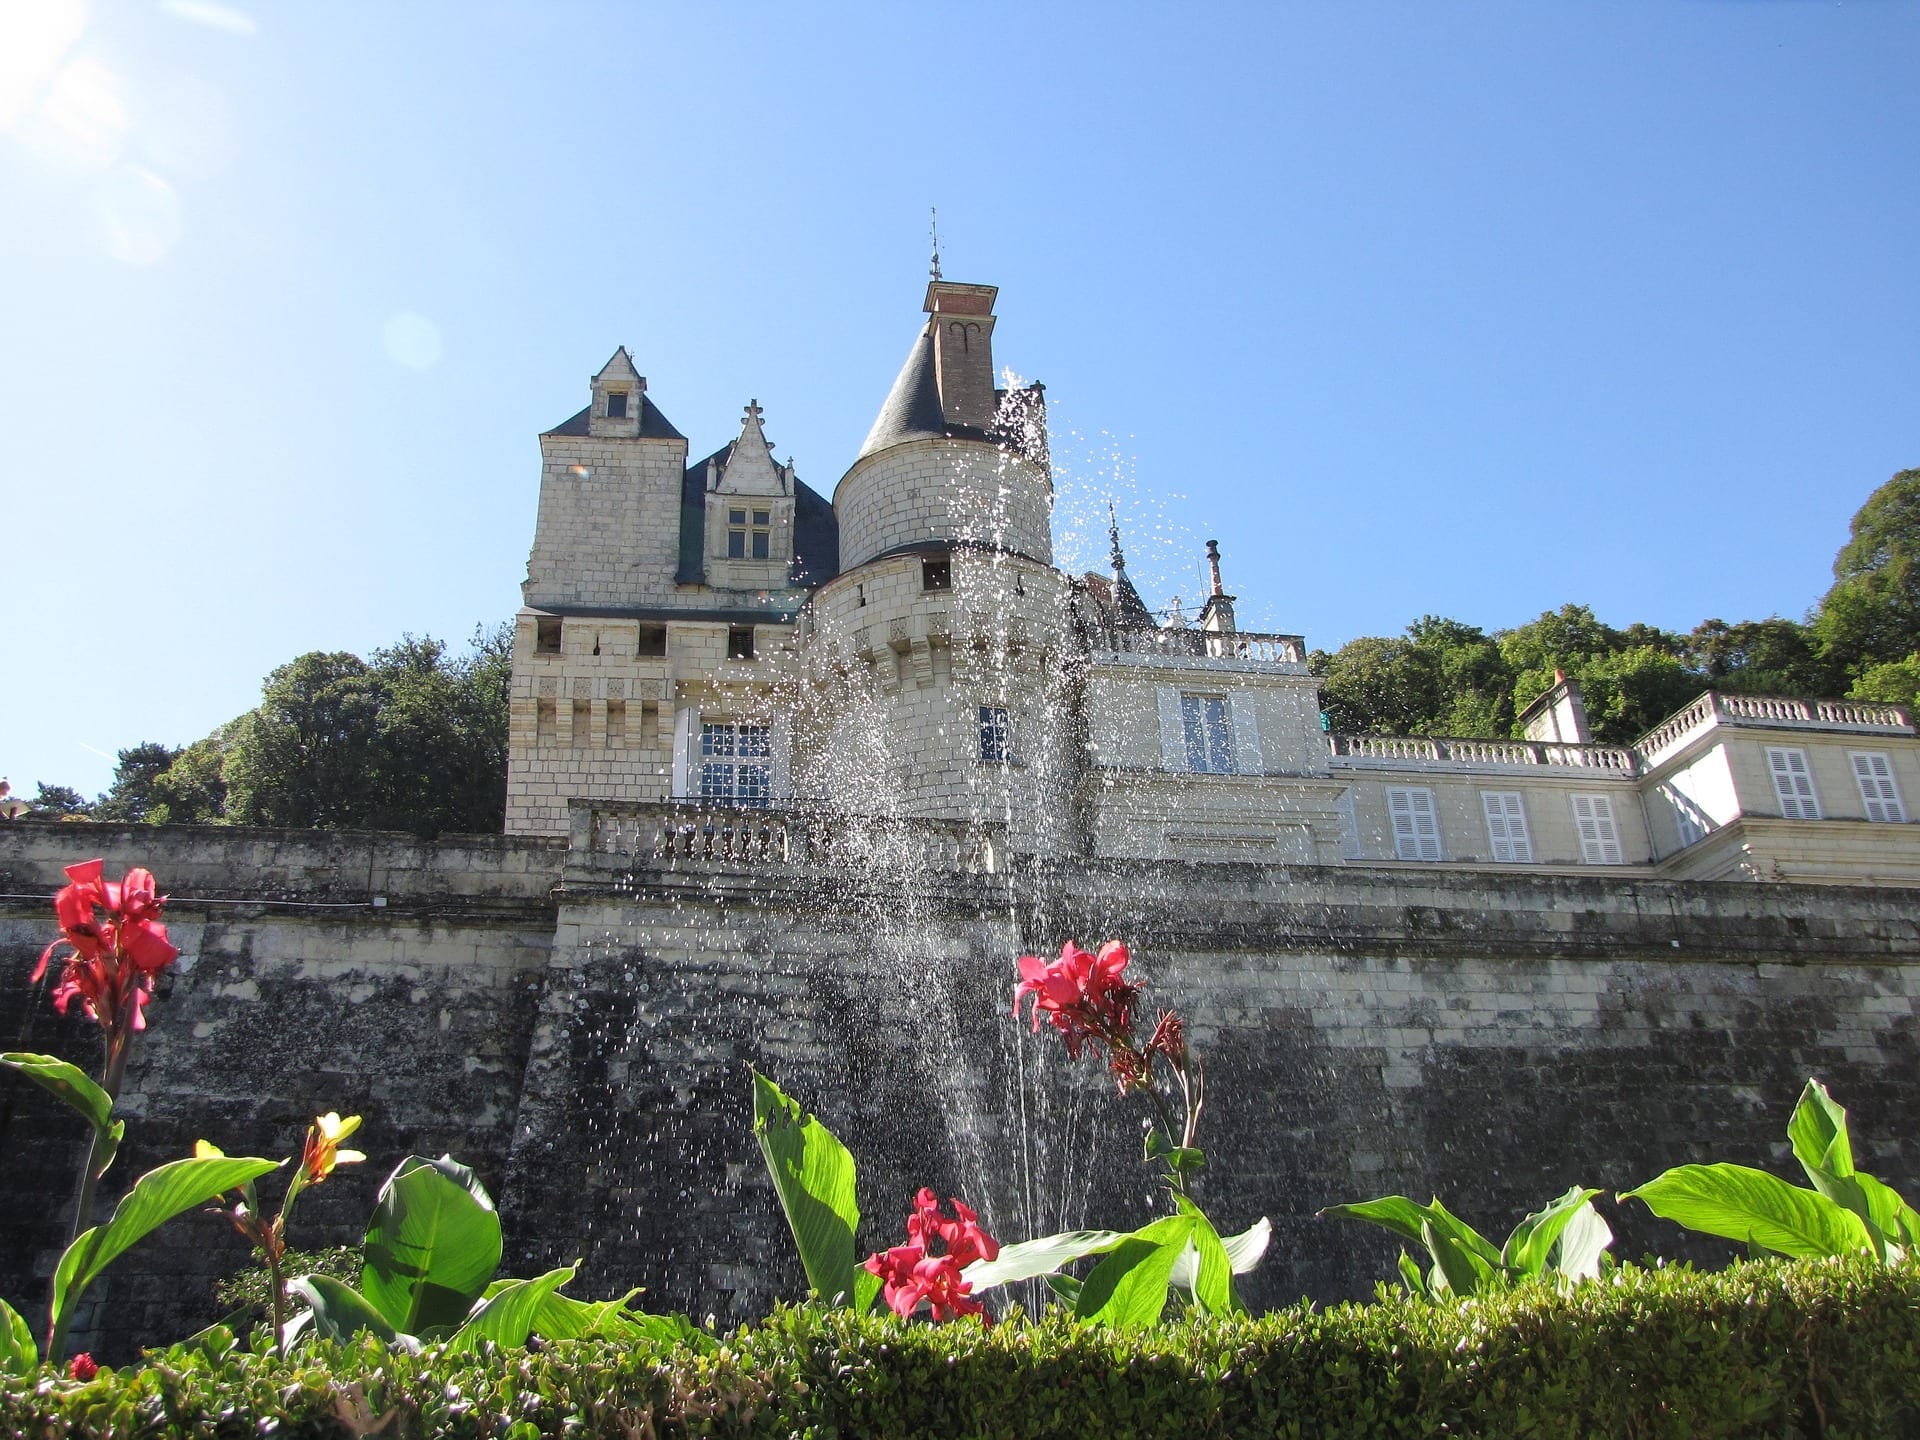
{"x": 912, "y": 409}
{"x": 1129, "y": 610}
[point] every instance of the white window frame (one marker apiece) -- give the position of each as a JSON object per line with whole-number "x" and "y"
{"x": 1407, "y": 808}
{"x": 1206, "y": 725}
{"x": 1599, "y": 831}
{"x": 1879, "y": 791}
{"x": 1507, "y": 835}
{"x": 735, "y": 764}
{"x": 1792, "y": 776}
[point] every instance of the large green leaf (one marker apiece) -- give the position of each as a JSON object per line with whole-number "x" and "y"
{"x": 564, "y": 1318}
{"x": 1754, "y": 1207}
{"x": 814, "y": 1175}
{"x": 1818, "y": 1131}
{"x": 1445, "y": 1222}
{"x": 1045, "y": 1256}
{"x": 1532, "y": 1240}
{"x": 1582, "y": 1243}
{"x": 74, "y": 1086}
{"x": 18, "y": 1354}
{"x": 1464, "y": 1269}
{"x": 156, "y": 1197}
{"x": 1395, "y": 1212}
{"x": 1897, "y": 1222}
{"x": 510, "y": 1315}
{"x": 1211, "y": 1280}
{"x": 340, "y": 1312}
{"x": 1243, "y": 1253}
{"x": 1129, "y": 1287}
{"x": 432, "y": 1245}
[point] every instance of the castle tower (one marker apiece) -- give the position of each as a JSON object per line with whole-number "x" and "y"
{"x": 937, "y": 653}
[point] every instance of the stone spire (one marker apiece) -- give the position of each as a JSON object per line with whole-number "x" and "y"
{"x": 1129, "y": 611}
{"x": 1217, "y": 614}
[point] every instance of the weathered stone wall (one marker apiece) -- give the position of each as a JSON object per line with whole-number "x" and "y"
{"x": 1367, "y": 1031}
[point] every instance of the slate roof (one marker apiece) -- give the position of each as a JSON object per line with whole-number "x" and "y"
{"x": 816, "y": 529}
{"x": 653, "y": 425}
{"x": 912, "y": 408}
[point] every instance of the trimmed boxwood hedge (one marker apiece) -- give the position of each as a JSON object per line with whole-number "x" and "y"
{"x": 1776, "y": 1348}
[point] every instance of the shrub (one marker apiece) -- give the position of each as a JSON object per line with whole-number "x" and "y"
{"x": 1768, "y": 1347}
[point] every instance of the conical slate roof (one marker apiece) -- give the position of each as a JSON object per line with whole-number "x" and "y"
{"x": 912, "y": 410}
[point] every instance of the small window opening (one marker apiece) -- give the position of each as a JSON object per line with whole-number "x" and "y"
{"x": 860, "y": 597}
{"x": 616, "y": 404}
{"x": 653, "y": 641}
{"x": 616, "y": 724}
{"x": 746, "y": 539}
{"x": 546, "y": 636}
{"x": 995, "y": 734}
{"x": 596, "y": 642}
{"x": 740, "y": 642}
{"x": 936, "y": 574}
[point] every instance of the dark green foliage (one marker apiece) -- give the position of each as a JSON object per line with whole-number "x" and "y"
{"x": 414, "y": 739}
{"x": 193, "y": 790}
{"x": 247, "y": 1289}
{"x": 1770, "y": 1348}
{"x": 59, "y": 802}
{"x": 1871, "y": 616}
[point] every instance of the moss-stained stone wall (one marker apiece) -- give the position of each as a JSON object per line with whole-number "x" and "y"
{"x": 1494, "y": 1039}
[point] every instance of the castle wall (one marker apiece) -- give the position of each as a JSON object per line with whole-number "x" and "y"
{"x": 932, "y": 489}
{"x": 1490, "y": 1038}
{"x": 608, "y": 526}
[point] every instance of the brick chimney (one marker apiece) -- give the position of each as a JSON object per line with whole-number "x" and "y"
{"x": 963, "y": 350}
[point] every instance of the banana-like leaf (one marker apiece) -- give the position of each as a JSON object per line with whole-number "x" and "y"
{"x": 1397, "y": 1213}
{"x": 1212, "y": 1283}
{"x": 431, "y": 1247}
{"x": 510, "y": 1315}
{"x": 1445, "y": 1222}
{"x": 1818, "y": 1131}
{"x": 1897, "y": 1222}
{"x": 1129, "y": 1287}
{"x": 1527, "y": 1249}
{"x": 340, "y": 1312}
{"x": 814, "y": 1175}
{"x": 564, "y": 1318}
{"x": 77, "y": 1088}
{"x": 1582, "y": 1243}
{"x": 1749, "y": 1205}
{"x": 1413, "y": 1277}
{"x": 1243, "y": 1253}
{"x": 18, "y": 1354}
{"x": 1046, "y": 1256}
{"x": 1464, "y": 1269}
{"x": 156, "y": 1197}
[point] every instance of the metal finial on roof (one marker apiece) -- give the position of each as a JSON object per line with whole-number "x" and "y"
{"x": 1113, "y": 530}
{"x": 934, "y": 212}
{"x": 1213, "y": 564}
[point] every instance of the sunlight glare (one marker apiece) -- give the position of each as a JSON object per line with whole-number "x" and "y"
{"x": 35, "y": 36}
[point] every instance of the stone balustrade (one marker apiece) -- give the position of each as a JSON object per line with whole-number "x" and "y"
{"x": 692, "y": 834}
{"x": 1430, "y": 750}
{"x": 1776, "y": 711}
{"x": 1244, "y": 646}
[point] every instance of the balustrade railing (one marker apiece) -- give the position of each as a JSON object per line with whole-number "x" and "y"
{"x": 612, "y": 834}
{"x": 1717, "y": 708}
{"x": 1242, "y": 645}
{"x": 1438, "y": 750}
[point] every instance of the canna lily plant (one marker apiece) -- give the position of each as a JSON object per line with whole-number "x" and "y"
{"x": 1564, "y": 1242}
{"x": 1847, "y": 1210}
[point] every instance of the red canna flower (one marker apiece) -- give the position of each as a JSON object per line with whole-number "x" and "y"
{"x": 911, "y": 1276}
{"x": 1170, "y": 1038}
{"x": 1082, "y": 995}
{"x": 83, "y": 1367}
{"x": 114, "y": 956}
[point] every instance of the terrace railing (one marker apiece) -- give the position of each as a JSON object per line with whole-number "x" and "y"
{"x": 1775, "y": 711}
{"x": 1436, "y": 750}
{"x": 692, "y": 834}
{"x": 1244, "y": 646}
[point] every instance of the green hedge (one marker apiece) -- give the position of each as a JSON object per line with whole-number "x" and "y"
{"x": 1767, "y": 1348}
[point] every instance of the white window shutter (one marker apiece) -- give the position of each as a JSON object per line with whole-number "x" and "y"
{"x": 1246, "y": 734}
{"x": 1599, "y": 837}
{"x": 1173, "y": 730}
{"x": 1507, "y": 826}
{"x": 1793, "y": 784}
{"x": 1874, "y": 772}
{"x": 1416, "y": 829}
{"x": 684, "y": 721}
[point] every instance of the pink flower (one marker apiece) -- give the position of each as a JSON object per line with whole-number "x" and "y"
{"x": 113, "y": 956}
{"x": 1082, "y": 995}
{"x": 83, "y": 1367}
{"x": 911, "y": 1276}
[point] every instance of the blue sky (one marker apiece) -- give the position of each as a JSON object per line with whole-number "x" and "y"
{"x": 1470, "y": 309}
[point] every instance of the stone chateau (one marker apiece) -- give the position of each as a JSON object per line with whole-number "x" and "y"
{"x": 709, "y": 636}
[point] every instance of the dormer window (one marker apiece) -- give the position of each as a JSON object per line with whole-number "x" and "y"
{"x": 616, "y": 404}
{"x": 749, "y": 534}
{"x": 936, "y": 574}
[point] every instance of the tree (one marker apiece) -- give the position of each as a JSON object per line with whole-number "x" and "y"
{"x": 193, "y": 790}
{"x": 1761, "y": 657}
{"x": 1871, "y": 616}
{"x": 131, "y": 796}
{"x": 59, "y": 802}
{"x": 303, "y": 757}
